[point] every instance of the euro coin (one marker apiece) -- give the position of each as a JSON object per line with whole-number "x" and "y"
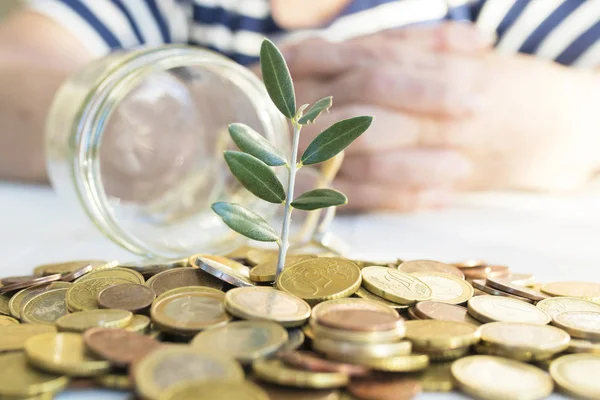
{"x": 522, "y": 279}
{"x": 433, "y": 335}
{"x": 169, "y": 366}
{"x": 114, "y": 381}
{"x": 238, "y": 267}
{"x": 583, "y": 290}
{"x": 579, "y": 324}
{"x": 46, "y": 307}
{"x": 267, "y": 271}
{"x": 233, "y": 276}
{"x": 395, "y": 285}
{"x": 295, "y": 340}
{"x": 577, "y": 375}
{"x": 505, "y": 309}
{"x": 443, "y": 312}
{"x": 583, "y": 346}
{"x": 496, "y": 378}
{"x": 19, "y": 379}
{"x": 189, "y": 313}
{"x": 127, "y": 296}
{"x": 126, "y": 274}
{"x": 365, "y": 294}
{"x": 437, "y": 377}
{"x": 268, "y": 304}
{"x": 505, "y": 284}
{"x": 309, "y": 361}
{"x": 356, "y": 315}
{"x": 430, "y": 266}
{"x": 526, "y": 342}
{"x": 481, "y": 285}
{"x": 82, "y": 296}
{"x": 217, "y": 390}
{"x": 23, "y": 296}
{"x": 181, "y": 277}
{"x": 154, "y": 265}
{"x": 407, "y": 363}
{"x": 320, "y": 279}
{"x": 340, "y": 350}
{"x": 385, "y": 387}
{"x": 139, "y": 323}
{"x": 556, "y": 305}
{"x": 63, "y": 353}
{"x": 4, "y": 300}
{"x": 244, "y": 341}
{"x": 275, "y": 371}
{"x": 84, "y": 320}
{"x": 446, "y": 288}
{"x": 118, "y": 346}
{"x": 391, "y": 335}
{"x": 6, "y": 320}
{"x": 14, "y": 336}
{"x": 29, "y": 281}
{"x": 67, "y": 267}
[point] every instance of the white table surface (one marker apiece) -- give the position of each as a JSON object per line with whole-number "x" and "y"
{"x": 555, "y": 237}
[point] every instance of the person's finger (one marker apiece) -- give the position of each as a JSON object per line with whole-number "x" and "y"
{"x": 371, "y": 197}
{"x": 457, "y": 37}
{"x": 408, "y": 167}
{"x": 449, "y": 92}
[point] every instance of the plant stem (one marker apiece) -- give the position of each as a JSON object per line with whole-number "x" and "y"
{"x": 287, "y": 219}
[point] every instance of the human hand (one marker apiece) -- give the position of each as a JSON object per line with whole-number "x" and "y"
{"x": 448, "y": 114}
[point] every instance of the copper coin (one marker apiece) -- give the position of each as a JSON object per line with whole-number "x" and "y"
{"x": 412, "y": 314}
{"x": 385, "y": 388}
{"x": 470, "y": 264}
{"x": 505, "y": 285}
{"x": 310, "y": 361}
{"x": 356, "y": 315}
{"x": 498, "y": 271}
{"x": 127, "y": 296}
{"x": 33, "y": 281}
{"x": 443, "y": 312}
{"x": 430, "y": 266}
{"x": 276, "y": 392}
{"x": 78, "y": 273}
{"x": 11, "y": 280}
{"x": 180, "y": 277}
{"x": 479, "y": 272}
{"x": 480, "y": 284}
{"x": 119, "y": 346}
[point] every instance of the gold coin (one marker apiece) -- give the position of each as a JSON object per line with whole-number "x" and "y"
{"x": 84, "y": 320}
{"x": 139, "y": 323}
{"x": 528, "y": 341}
{"x": 46, "y": 307}
{"x": 14, "y": 336}
{"x": 63, "y": 353}
{"x": 555, "y": 305}
{"x": 126, "y": 274}
{"x": 258, "y": 256}
{"x": 115, "y": 381}
{"x": 435, "y": 335}
{"x": 6, "y": 320}
{"x": 169, "y": 366}
{"x": 189, "y": 313}
{"x": 23, "y": 296}
{"x": 215, "y": 390}
{"x": 430, "y": 266}
{"x": 579, "y": 324}
{"x": 267, "y": 271}
{"x": 244, "y": 341}
{"x": 446, "y": 288}
{"x": 320, "y": 279}
{"x": 275, "y": 371}
{"x": 448, "y": 355}
{"x": 583, "y": 346}
{"x": 577, "y": 375}
{"x": 238, "y": 267}
{"x": 82, "y": 295}
{"x": 495, "y": 378}
{"x": 408, "y": 363}
{"x": 342, "y": 349}
{"x": 522, "y": 279}
{"x": 189, "y": 289}
{"x": 264, "y": 303}
{"x": 154, "y": 265}
{"x": 583, "y": 290}
{"x": 19, "y": 379}
{"x": 395, "y": 285}
{"x": 365, "y": 294}
{"x": 4, "y": 300}
{"x": 357, "y": 336}
{"x": 295, "y": 340}
{"x": 437, "y": 378}
{"x": 69, "y": 266}
{"x": 505, "y": 309}
{"x": 233, "y": 276}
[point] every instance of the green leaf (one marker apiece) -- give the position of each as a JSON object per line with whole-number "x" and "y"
{"x": 251, "y": 142}
{"x": 256, "y": 176}
{"x": 277, "y": 79}
{"x": 319, "y": 198}
{"x": 245, "y": 222}
{"x": 335, "y": 139}
{"x": 317, "y": 109}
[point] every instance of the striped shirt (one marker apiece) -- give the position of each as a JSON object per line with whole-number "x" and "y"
{"x": 566, "y": 31}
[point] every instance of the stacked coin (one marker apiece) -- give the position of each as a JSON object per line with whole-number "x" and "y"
{"x": 209, "y": 326}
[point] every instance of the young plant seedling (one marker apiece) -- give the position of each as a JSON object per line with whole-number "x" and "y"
{"x": 252, "y": 166}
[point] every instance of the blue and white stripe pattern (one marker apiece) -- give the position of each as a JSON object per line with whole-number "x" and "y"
{"x": 566, "y": 31}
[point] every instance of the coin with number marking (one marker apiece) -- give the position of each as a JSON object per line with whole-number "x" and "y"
{"x": 505, "y": 309}
{"x": 395, "y": 285}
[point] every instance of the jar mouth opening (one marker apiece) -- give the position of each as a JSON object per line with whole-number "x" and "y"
{"x": 90, "y": 168}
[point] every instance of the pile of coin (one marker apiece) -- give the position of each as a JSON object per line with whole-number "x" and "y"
{"x": 226, "y": 327}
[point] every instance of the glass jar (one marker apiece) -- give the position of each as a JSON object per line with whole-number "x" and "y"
{"x": 136, "y": 138}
